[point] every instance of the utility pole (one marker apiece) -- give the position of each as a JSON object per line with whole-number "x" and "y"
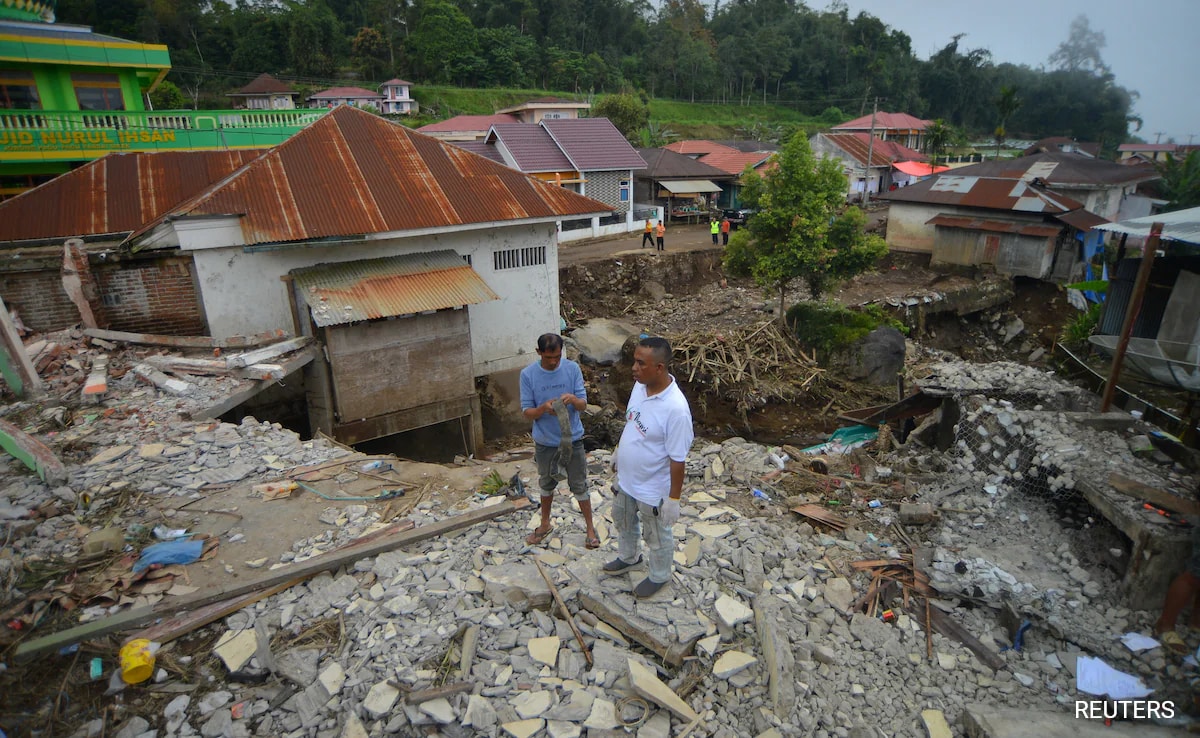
{"x": 1158, "y": 137}
{"x": 870, "y": 152}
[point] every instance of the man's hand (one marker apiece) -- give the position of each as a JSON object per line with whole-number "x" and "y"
{"x": 547, "y": 407}
{"x": 612, "y": 462}
{"x": 571, "y": 400}
{"x": 668, "y": 512}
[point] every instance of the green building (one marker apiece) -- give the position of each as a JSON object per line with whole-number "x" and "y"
{"x": 68, "y": 96}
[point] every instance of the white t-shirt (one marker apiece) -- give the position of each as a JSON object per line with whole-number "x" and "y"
{"x": 658, "y": 430}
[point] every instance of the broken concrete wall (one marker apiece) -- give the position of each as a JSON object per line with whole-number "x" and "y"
{"x": 634, "y": 274}
{"x": 906, "y": 229}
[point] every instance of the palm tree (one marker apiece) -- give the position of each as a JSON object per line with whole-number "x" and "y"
{"x": 1006, "y": 105}
{"x": 937, "y": 136}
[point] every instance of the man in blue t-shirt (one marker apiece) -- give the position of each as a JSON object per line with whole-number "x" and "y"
{"x": 547, "y": 384}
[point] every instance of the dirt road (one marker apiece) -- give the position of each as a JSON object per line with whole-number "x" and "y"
{"x": 678, "y": 238}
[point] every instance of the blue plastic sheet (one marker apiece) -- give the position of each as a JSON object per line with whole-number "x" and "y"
{"x": 170, "y": 552}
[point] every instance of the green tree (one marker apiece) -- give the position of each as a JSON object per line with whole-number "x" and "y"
{"x": 1006, "y": 105}
{"x": 937, "y": 137}
{"x": 369, "y": 52}
{"x": 167, "y": 96}
{"x": 802, "y": 229}
{"x": 1081, "y": 51}
{"x": 626, "y": 111}
{"x": 1181, "y": 180}
{"x": 443, "y": 46}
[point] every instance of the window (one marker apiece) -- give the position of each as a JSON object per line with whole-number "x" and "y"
{"x": 98, "y": 91}
{"x": 467, "y": 258}
{"x": 18, "y": 90}
{"x": 624, "y": 190}
{"x": 555, "y": 115}
{"x": 517, "y": 258}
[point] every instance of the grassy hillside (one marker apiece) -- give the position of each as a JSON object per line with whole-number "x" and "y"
{"x": 686, "y": 120}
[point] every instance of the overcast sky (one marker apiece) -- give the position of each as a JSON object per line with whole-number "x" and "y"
{"x": 1152, "y": 45}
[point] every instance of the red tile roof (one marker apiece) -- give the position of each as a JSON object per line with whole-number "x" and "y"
{"x": 469, "y": 123}
{"x": 734, "y": 161}
{"x": 883, "y": 153}
{"x": 698, "y": 146}
{"x": 347, "y": 93}
{"x": 354, "y": 173}
{"x": 117, "y": 193}
{"x": 531, "y": 147}
{"x": 664, "y": 164}
{"x": 394, "y": 82}
{"x": 593, "y": 144}
{"x": 1147, "y": 147}
{"x": 888, "y": 121}
{"x": 264, "y": 84}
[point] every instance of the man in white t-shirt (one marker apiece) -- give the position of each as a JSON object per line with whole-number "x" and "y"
{"x": 649, "y": 461}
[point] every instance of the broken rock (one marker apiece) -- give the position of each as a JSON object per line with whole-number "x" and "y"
{"x": 732, "y": 662}
{"x": 731, "y": 611}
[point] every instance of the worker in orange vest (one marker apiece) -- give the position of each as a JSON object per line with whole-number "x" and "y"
{"x": 662, "y": 231}
{"x": 724, "y": 231}
{"x": 647, "y": 235}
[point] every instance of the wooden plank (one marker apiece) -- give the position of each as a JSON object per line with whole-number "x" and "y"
{"x": 326, "y": 562}
{"x": 15, "y": 364}
{"x": 149, "y": 374}
{"x": 821, "y": 515}
{"x": 294, "y": 363}
{"x": 1155, "y": 496}
{"x": 260, "y": 355}
{"x": 150, "y": 339}
{"x": 673, "y": 652}
{"x": 185, "y": 622}
{"x": 32, "y": 453}
{"x": 191, "y": 365}
{"x": 950, "y": 628}
{"x": 587, "y": 652}
{"x": 433, "y": 693}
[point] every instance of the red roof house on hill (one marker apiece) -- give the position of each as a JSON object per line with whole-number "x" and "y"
{"x": 903, "y": 128}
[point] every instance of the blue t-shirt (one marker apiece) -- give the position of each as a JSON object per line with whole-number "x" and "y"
{"x": 539, "y": 385}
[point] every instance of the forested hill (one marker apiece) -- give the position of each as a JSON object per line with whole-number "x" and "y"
{"x": 731, "y": 51}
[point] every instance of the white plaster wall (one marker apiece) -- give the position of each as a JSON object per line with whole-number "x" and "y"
{"x": 243, "y": 294}
{"x": 906, "y": 229}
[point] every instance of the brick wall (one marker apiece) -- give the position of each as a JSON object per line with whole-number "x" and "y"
{"x": 141, "y": 294}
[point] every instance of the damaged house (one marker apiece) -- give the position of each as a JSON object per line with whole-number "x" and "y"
{"x": 420, "y": 266}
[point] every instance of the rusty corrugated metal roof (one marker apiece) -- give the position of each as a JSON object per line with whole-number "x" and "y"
{"x": 993, "y": 193}
{"x": 1084, "y": 220}
{"x": 994, "y": 226}
{"x": 353, "y": 291}
{"x": 117, "y": 193}
{"x": 353, "y": 173}
{"x": 883, "y": 153}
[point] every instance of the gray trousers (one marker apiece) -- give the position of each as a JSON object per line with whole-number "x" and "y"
{"x": 547, "y": 458}
{"x": 634, "y": 518}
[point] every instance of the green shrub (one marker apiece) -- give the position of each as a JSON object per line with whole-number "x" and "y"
{"x": 827, "y": 326}
{"x": 1076, "y": 332}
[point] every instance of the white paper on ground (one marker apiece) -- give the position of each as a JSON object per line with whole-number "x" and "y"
{"x": 1137, "y": 642}
{"x": 1094, "y": 676}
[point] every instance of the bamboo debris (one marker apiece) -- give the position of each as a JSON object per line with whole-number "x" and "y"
{"x": 822, "y": 516}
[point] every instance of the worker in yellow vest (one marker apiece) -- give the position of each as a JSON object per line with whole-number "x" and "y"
{"x": 714, "y": 227}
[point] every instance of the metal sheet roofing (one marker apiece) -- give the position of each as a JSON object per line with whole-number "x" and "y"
{"x": 888, "y": 121}
{"x": 689, "y": 186}
{"x": 1061, "y": 169}
{"x": 483, "y": 148}
{"x": 353, "y": 291}
{"x": 593, "y": 144}
{"x": 992, "y": 193}
{"x": 666, "y": 164}
{"x": 355, "y": 173}
{"x": 1181, "y": 225}
{"x": 531, "y": 147}
{"x": 117, "y": 193}
{"x": 1084, "y": 220}
{"x": 468, "y": 123}
{"x": 882, "y": 153}
{"x": 994, "y": 226}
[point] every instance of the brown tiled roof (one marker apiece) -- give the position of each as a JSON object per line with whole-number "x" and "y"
{"x": 531, "y": 147}
{"x": 355, "y": 173}
{"x": 666, "y": 164}
{"x": 394, "y": 82}
{"x": 734, "y": 161}
{"x": 366, "y": 289}
{"x": 593, "y": 144}
{"x": 700, "y": 147}
{"x": 264, "y": 84}
{"x": 468, "y": 123}
{"x": 483, "y": 148}
{"x": 882, "y": 153}
{"x": 348, "y": 93}
{"x": 117, "y": 193}
{"x": 887, "y": 121}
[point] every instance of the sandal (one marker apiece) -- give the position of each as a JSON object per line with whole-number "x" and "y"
{"x": 538, "y": 535}
{"x": 592, "y": 543}
{"x": 1174, "y": 642}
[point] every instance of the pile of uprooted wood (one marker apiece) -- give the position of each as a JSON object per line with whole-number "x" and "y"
{"x": 751, "y": 366}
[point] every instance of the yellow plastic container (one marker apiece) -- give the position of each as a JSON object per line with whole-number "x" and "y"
{"x": 137, "y": 662}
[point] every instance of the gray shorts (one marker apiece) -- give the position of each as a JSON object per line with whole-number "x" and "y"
{"x": 546, "y": 458}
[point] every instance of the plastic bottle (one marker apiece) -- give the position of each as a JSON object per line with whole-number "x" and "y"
{"x": 376, "y": 465}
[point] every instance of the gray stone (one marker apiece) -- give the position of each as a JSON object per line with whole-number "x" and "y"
{"x": 601, "y": 340}
{"x": 220, "y": 725}
{"x": 440, "y": 710}
{"x": 839, "y": 594}
{"x": 876, "y": 358}
{"x": 135, "y": 727}
{"x": 479, "y": 714}
{"x": 658, "y": 726}
{"x": 506, "y": 584}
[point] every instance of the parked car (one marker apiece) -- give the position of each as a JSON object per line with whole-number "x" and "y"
{"x": 739, "y": 216}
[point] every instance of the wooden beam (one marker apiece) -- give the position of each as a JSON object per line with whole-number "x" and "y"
{"x": 202, "y": 342}
{"x": 950, "y": 628}
{"x": 587, "y": 652}
{"x": 1153, "y": 495}
{"x": 1149, "y": 250}
{"x": 185, "y": 622}
{"x": 15, "y": 365}
{"x": 327, "y": 562}
{"x": 32, "y": 453}
{"x": 267, "y": 352}
{"x": 433, "y": 693}
{"x": 294, "y": 363}
{"x": 191, "y": 365}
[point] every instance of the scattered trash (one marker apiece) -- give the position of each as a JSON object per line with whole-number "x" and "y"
{"x": 163, "y": 533}
{"x": 1137, "y": 642}
{"x": 874, "y": 503}
{"x": 137, "y": 660}
{"x": 376, "y": 466}
{"x": 170, "y": 552}
{"x": 1094, "y": 676}
{"x": 275, "y": 490}
{"x": 97, "y": 668}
